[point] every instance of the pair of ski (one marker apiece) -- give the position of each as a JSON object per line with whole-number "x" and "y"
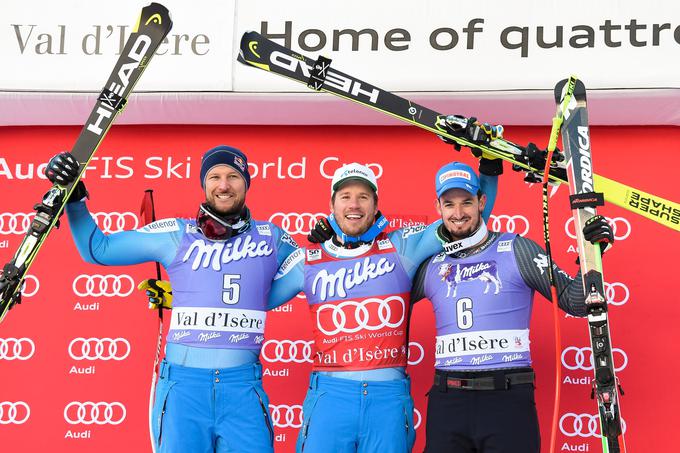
{"x": 575, "y": 169}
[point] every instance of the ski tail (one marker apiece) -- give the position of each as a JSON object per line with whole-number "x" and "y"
{"x": 584, "y": 202}
{"x": 153, "y": 25}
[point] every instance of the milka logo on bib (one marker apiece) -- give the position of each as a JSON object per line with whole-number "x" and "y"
{"x": 455, "y": 274}
{"x": 344, "y": 278}
{"x": 217, "y": 253}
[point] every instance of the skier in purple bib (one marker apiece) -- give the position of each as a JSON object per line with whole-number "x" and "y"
{"x": 209, "y": 396}
{"x": 481, "y": 289}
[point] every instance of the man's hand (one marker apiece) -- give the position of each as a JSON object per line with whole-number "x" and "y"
{"x": 159, "y": 293}
{"x": 598, "y": 231}
{"x": 321, "y": 232}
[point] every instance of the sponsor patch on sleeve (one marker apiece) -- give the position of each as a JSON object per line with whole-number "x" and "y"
{"x": 160, "y": 226}
{"x": 410, "y": 231}
{"x": 285, "y": 237}
{"x": 504, "y": 246}
{"x": 289, "y": 263}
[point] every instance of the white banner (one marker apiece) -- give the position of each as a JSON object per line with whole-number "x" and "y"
{"x": 475, "y": 46}
{"x": 72, "y": 45}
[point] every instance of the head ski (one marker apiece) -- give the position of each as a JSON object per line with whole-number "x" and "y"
{"x": 153, "y": 25}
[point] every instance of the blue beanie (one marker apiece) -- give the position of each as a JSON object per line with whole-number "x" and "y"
{"x": 225, "y": 155}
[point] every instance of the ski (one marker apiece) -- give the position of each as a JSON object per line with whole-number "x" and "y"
{"x": 584, "y": 200}
{"x": 265, "y": 54}
{"x": 152, "y": 26}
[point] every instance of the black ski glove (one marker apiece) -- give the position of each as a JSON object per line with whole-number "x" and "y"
{"x": 488, "y": 165}
{"x": 321, "y": 232}
{"x": 62, "y": 169}
{"x": 597, "y": 230}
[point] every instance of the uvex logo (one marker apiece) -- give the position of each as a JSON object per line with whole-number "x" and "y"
{"x": 109, "y": 102}
{"x": 333, "y": 79}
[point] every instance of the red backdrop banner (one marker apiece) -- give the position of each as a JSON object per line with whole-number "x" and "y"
{"x": 76, "y": 356}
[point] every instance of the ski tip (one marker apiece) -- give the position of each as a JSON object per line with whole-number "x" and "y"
{"x": 559, "y": 91}
{"x": 154, "y": 14}
{"x": 580, "y": 90}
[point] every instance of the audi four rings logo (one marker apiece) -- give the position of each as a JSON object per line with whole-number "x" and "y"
{"x": 30, "y": 286}
{"x": 620, "y": 227}
{"x": 296, "y": 222}
{"x": 14, "y": 412}
{"x": 300, "y": 351}
{"x": 574, "y": 358}
{"x": 99, "y": 413}
{"x": 103, "y": 285}
{"x": 582, "y": 425}
{"x": 286, "y": 416}
{"x": 287, "y": 351}
{"x": 359, "y": 317}
{"x": 16, "y": 348}
{"x": 15, "y": 223}
{"x": 510, "y": 224}
{"x": 291, "y": 416}
{"x": 114, "y": 222}
{"x": 109, "y": 222}
{"x": 616, "y": 293}
{"x": 99, "y": 348}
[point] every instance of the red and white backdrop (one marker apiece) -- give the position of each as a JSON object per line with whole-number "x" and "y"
{"x": 76, "y": 355}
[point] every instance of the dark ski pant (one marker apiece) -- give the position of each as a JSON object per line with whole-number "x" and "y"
{"x": 482, "y": 421}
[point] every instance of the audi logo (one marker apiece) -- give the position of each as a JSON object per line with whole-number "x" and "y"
{"x": 295, "y": 222}
{"x": 620, "y": 227}
{"x": 16, "y": 348}
{"x": 114, "y": 222}
{"x": 99, "y": 348}
{"x": 103, "y": 285}
{"x": 583, "y": 425}
{"x": 360, "y": 316}
{"x": 291, "y": 416}
{"x": 574, "y": 358}
{"x": 286, "y": 416}
{"x": 414, "y": 346}
{"x": 99, "y": 413}
{"x": 287, "y": 351}
{"x": 417, "y": 418}
{"x": 15, "y": 413}
{"x": 15, "y": 223}
{"x": 33, "y": 286}
{"x": 300, "y": 351}
{"x": 509, "y": 224}
{"x": 616, "y": 293}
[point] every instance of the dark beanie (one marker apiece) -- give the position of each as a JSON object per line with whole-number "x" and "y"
{"x": 225, "y": 155}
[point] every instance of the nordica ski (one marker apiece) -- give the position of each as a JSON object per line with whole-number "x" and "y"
{"x": 153, "y": 25}
{"x": 584, "y": 200}
{"x": 262, "y": 53}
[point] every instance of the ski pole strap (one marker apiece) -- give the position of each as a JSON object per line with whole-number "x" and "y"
{"x": 318, "y": 73}
{"x": 113, "y": 98}
{"x": 586, "y": 200}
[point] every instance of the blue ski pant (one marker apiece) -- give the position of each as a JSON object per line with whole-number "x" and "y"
{"x": 346, "y": 416}
{"x": 199, "y": 410}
